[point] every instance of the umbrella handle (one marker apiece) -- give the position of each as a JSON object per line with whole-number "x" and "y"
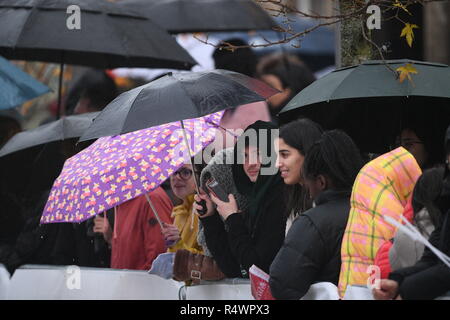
{"x": 169, "y": 243}
{"x": 154, "y": 210}
{"x": 190, "y": 156}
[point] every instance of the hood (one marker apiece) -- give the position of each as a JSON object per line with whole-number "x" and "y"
{"x": 223, "y": 174}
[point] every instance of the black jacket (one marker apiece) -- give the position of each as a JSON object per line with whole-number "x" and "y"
{"x": 312, "y": 249}
{"x": 430, "y": 277}
{"x": 236, "y": 245}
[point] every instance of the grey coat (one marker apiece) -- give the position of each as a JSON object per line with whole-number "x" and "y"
{"x": 405, "y": 252}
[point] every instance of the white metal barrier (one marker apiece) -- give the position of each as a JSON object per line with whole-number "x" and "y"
{"x": 228, "y": 289}
{"x": 73, "y": 283}
{"x": 4, "y": 283}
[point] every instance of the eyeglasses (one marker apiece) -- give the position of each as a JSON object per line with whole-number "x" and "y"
{"x": 184, "y": 173}
{"x": 407, "y": 143}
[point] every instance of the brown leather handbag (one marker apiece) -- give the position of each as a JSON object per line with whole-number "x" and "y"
{"x": 195, "y": 267}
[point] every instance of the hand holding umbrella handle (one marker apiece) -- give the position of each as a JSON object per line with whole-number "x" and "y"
{"x": 204, "y": 209}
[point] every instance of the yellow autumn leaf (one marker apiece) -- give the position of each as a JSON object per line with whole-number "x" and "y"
{"x": 398, "y": 4}
{"x": 408, "y": 32}
{"x": 406, "y": 71}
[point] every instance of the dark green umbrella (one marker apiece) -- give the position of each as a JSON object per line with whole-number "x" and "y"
{"x": 370, "y": 103}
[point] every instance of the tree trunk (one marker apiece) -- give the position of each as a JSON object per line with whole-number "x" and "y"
{"x": 353, "y": 47}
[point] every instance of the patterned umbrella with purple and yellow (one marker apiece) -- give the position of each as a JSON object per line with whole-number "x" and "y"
{"x": 117, "y": 169}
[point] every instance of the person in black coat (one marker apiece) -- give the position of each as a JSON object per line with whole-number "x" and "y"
{"x": 312, "y": 249}
{"x": 429, "y": 278}
{"x": 239, "y": 239}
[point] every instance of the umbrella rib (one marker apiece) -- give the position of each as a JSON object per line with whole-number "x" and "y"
{"x": 190, "y": 98}
{"x": 243, "y": 86}
{"x": 31, "y": 13}
{"x": 339, "y": 86}
{"x": 129, "y": 109}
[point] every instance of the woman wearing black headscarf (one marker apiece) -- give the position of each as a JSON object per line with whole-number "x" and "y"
{"x": 238, "y": 239}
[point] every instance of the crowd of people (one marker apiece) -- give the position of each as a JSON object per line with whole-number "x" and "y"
{"x": 319, "y": 217}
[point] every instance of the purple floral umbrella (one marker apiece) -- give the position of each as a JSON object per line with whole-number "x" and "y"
{"x": 117, "y": 169}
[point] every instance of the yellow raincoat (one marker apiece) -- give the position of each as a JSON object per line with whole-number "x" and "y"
{"x": 187, "y": 223}
{"x": 382, "y": 187}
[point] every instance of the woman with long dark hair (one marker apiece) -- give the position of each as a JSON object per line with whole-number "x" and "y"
{"x": 295, "y": 139}
{"x": 312, "y": 249}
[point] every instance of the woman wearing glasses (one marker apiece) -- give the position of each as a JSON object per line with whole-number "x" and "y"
{"x": 182, "y": 234}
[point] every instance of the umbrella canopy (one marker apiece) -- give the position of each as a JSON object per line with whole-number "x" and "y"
{"x": 176, "y": 97}
{"x": 117, "y": 169}
{"x": 62, "y": 129}
{"x": 32, "y": 160}
{"x": 189, "y": 16}
{"x": 16, "y": 86}
{"x": 371, "y": 104}
{"x": 109, "y": 36}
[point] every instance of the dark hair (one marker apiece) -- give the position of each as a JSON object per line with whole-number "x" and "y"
{"x": 336, "y": 157}
{"x": 426, "y": 191}
{"x": 432, "y": 144}
{"x": 301, "y": 135}
{"x": 94, "y": 84}
{"x": 290, "y": 70}
{"x": 447, "y": 142}
{"x": 8, "y": 128}
{"x": 241, "y": 60}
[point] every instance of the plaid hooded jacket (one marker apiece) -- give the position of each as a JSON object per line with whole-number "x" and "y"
{"x": 382, "y": 187}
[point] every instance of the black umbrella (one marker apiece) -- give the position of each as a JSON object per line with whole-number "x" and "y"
{"x": 109, "y": 36}
{"x": 59, "y": 130}
{"x": 372, "y": 105}
{"x": 177, "y": 97}
{"x": 188, "y": 16}
{"x": 31, "y": 160}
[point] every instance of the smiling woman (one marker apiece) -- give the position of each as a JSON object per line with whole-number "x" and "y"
{"x": 295, "y": 139}
{"x": 312, "y": 249}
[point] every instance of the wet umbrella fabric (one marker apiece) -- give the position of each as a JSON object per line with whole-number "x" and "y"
{"x": 371, "y": 104}
{"x": 32, "y": 160}
{"x": 117, "y": 169}
{"x": 17, "y": 86}
{"x": 108, "y": 36}
{"x": 59, "y": 130}
{"x": 177, "y": 97}
{"x": 190, "y": 16}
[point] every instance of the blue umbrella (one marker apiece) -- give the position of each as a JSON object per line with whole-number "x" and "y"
{"x": 17, "y": 87}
